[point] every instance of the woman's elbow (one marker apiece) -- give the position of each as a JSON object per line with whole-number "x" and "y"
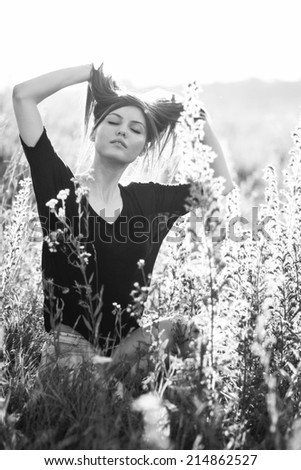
{"x": 18, "y": 92}
{"x": 22, "y": 92}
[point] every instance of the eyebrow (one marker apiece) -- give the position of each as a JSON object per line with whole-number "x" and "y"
{"x": 121, "y": 117}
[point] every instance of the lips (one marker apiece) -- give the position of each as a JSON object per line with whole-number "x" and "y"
{"x": 119, "y": 141}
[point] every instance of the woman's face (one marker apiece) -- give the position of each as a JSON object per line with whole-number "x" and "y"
{"x": 121, "y": 136}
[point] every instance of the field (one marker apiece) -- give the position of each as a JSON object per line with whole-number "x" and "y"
{"x": 239, "y": 387}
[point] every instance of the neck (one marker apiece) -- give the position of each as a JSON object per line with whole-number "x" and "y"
{"x": 105, "y": 178}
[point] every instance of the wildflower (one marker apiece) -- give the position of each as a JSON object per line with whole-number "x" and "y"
{"x": 117, "y": 308}
{"x": 54, "y": 239}
{"x": 63, "y": 194}
{"x": 16, "y": 232}
{"x": 155, "y": 418}
{"x": 52, "y": 203}
{"x": 51, "y": 244}
{"x": 61, "y": 213}
{"x": 84, "y": 256}
{"x": 80, "y": 192}
{"x": 141, "y": 263}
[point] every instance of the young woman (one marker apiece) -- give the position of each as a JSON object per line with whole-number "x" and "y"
{"x": 89, "y": 276}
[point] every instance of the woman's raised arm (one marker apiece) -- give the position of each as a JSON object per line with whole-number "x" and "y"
{"x": 27, "y": 95}
{"x": 219, "y": 164}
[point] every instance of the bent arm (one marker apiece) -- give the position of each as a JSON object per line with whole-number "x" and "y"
{"x": 219, "y": 164}
{"x": 27, "y": 95}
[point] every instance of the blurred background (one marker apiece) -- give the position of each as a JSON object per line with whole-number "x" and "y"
{"x": 245, "y": 54}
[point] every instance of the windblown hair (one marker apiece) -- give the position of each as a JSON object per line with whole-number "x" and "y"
{"x": 161, "y": 116}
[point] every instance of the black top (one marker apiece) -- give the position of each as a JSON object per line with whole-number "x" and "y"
{"x": 149, "y": 211}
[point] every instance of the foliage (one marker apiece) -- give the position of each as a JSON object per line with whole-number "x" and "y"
{"x": 238, "y": 284}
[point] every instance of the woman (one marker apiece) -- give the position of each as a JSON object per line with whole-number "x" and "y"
{"x": 93, "y": 261}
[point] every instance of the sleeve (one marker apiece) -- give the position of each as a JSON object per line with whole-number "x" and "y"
{"x": 49, "y": 174}
{"x": 172, "y": 199}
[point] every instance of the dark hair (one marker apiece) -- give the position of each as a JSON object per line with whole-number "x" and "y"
{"x": 104, "y": 96}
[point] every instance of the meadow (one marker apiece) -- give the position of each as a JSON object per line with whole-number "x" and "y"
{"x": 235, "y": 276}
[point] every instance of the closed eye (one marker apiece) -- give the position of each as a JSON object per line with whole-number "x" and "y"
{"x": 136, "y": 131}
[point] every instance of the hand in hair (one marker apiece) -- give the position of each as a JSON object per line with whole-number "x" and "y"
{"x": 104, "y": 95}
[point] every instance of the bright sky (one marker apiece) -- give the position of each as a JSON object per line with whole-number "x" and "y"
{"x": 152, "y": 42}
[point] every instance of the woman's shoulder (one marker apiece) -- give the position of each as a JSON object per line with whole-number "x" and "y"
{"x": 155, "y": 188}
{"x": 143, "y": 190}
{"x": 160, "y": 197}
{"x": 151, "y": 185}
{"x": 138, "y": 191}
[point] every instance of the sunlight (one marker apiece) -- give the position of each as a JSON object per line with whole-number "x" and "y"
{"x": 152, "y": 43}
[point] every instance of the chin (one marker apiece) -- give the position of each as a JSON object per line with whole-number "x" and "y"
{"x": 117, "y": 157}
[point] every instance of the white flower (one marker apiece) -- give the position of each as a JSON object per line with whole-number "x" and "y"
{"x": 52, "y": 203}
{"x": 84, "y": 256}
{"x": 51, "y": 241}
{"x": 141, "y": 263}
{"x": 63, "y": 194}
{"x": 80, "y": 192}
{"x": 61, "y": 213}
{"x": 116, "y": 305}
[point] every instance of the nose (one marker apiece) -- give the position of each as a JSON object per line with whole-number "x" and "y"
{"x": 121, "y": 132}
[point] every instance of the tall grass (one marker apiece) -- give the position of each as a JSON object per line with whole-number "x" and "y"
{"x": 239, "y": 386}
